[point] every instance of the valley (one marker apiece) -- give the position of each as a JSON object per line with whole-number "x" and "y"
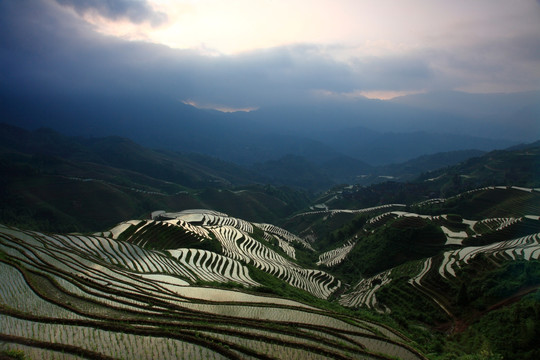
{"x": 147, "y": 254}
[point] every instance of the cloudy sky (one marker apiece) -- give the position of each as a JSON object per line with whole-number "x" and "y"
{"x": 246, "y": 54}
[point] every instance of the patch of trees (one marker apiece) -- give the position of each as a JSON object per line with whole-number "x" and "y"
{"x": 392, "y": 245}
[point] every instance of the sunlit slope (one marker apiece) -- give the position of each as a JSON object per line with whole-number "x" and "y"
{"x": 99, "y": 297}
{"x": 235, "y": 239}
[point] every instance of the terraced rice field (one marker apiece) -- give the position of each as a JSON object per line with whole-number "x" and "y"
{"x": 446, "y": 268}
{"x": 95, "y": 297}
{"x": 210, "y": 218}
{"x": 193, "y": 227}
{"x": 240, "y": 246}
{"x": 283, "y": 235}
{"x": 352, "y": 211}
{"x": 336, "y": 256}
{"x": 363, "y": 293}
{"x": 145, "y": 233}
{"x": 213, "y": 267}
{"x": 495, "y": 224}
{"x": 497, "y": 237}
{"x": 524, "y": 248}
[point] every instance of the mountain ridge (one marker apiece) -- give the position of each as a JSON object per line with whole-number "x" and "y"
{"x": 142, "y": 179}
{"x": 313, "y": 131}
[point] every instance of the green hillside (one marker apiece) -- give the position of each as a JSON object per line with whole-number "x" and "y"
{"x": 411, "y": 280}
{"x": 55, "y": 183}
{"x": 109, "y": 249}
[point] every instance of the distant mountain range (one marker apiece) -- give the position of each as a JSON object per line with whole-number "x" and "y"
{"x": 65, "y": 154}
{"x": 52, "y": 181}
{"x": 372, "y": 131}
{"x": 55, "y": 180}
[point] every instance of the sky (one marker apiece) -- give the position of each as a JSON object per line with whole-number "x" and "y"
{"x": 241, "y": 55}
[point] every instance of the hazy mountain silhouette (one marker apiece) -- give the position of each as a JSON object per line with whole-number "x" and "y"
{"x": 374, "y": 132}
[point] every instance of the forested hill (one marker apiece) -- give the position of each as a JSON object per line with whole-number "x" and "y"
{"x": 59, "y": 183}
{"x": 512, "y": 167}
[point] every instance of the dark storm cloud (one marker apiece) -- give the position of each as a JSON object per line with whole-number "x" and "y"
{"x": 45, "y": 48}
{"x": 266, "y": 77}
{"x": 69, "y": 57}
{"x": 405, "y": 72}
{"x": 510, "y": 60}
{"x": 136, "y": 11}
